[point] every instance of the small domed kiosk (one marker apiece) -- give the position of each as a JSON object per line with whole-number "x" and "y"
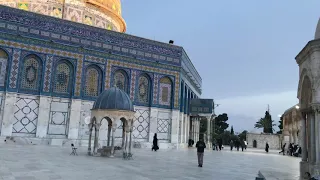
{"x": 113, "y": 104}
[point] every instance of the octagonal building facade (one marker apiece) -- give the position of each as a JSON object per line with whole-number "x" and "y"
{"x": 52, "y": 70}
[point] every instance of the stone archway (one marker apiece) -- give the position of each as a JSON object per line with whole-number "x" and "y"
{"x": 254, "y": 144}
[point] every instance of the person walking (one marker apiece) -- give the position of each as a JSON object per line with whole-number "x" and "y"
{"x": 200, "y": 151}
{"x": 283, "y": 148}
{"x": 155, "y": 146}
{"x": 267, "y": 147}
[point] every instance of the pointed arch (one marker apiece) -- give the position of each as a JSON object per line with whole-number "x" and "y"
{"x": 93, "y": 81}
{"x": 143, "y": 92}
{"x": 31, "y": 73}
{"x": 306, "y": 92}
{"x": 121, "y": 80}
{"x": 63, "y": 78}
{"x": 303, "y": 73}
{"x": 165, "y": 93}
{"x": 4, "y": 58}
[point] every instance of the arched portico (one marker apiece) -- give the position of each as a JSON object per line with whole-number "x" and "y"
{"x": 309, "y": 106}
{"x": 112, "y": 105}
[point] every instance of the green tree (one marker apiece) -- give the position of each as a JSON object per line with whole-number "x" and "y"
{"x": 266, "y": 123}
{"x": 243, "y": 135}
{"x": 221, "y": 123}
{"x": 232, "y": 132}
{"x": 280, "y": 125}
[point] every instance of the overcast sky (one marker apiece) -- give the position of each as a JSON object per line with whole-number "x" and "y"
{"x": 244, "y": 50}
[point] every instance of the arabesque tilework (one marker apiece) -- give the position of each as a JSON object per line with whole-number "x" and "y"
{"x": 48, "y": 73}
{"x": 50, "y": 38}
{"x": 14, "y": 68}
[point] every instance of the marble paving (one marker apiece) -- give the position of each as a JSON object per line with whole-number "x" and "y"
{"x": 54, "y": 163}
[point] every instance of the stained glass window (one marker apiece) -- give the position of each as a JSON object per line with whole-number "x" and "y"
{"x": 165, "y": 91}
{"x": 62, "y": 81}
{"x": 30, "y": 74}
{"x": 143, "y": 89}
{"x": 3, "y": 67}
{"x": 120, "y": 80}
{"x": 93, "y": 83}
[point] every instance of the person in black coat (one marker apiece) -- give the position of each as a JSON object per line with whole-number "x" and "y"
{"x": 267, "y": 147}
{"x": 155, "y": 146}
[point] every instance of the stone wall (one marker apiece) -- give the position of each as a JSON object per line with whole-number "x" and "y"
{"x": 261, "y": 140}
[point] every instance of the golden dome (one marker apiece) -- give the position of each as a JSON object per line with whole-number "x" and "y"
{"x": 105, "y": 14}
{"x": 111, "y": 8}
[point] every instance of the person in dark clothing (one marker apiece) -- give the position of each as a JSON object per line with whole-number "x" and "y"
{"x": 242, "y": 144}
{"x": 290, "y": 149}
{"x": 231, "y": 145}
{"x": 220, "y": 144}
{"x": 297, "y": 152}
{"x": 200, "y": 151}
{"x": 267, "y": 147}
{"x": 155, "y": 146}
{"x": 237, "y": 144}
{"x": 283, "y": 148}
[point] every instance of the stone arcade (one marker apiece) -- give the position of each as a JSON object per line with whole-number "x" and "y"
{"x": 291, "y": 126}
{"x": 52, "y": 70}
{"x": 309, "y": 102}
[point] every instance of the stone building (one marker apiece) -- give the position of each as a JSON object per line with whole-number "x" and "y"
{"x": 53, "y": 69}
{"x": 259, "y": 141}
{"x": 291, "y": 126}
{"x": 309, "y": 102}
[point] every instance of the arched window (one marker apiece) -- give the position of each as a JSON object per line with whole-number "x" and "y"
{"x": 3, "y": 67}
{"x": 144, "y": 89}
{"x": 120, "y": 80}
{"x": 93, "y": 81}
{"x": 165, "y": 91}
{"x": 63, "y": 78}
{"x": 31, "y": 73}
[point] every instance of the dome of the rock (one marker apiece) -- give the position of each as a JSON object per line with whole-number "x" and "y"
{"x": 104, "y": 14}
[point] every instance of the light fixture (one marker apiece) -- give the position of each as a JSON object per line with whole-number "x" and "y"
{"x": 297, "y": 107}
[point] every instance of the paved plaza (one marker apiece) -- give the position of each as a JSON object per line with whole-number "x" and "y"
{"x": 55, "y": 163}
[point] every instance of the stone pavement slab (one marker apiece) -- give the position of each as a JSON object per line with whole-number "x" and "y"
{"x": 55, "y": 163}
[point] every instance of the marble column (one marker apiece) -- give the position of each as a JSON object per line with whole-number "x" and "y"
{"x": 75, "y": 119}
{"x": 43, "y": 117}
{"x": 114, "y": 127}
{"x": 181, "y": 126}
{"x": 188, "y": 128}
{"x": 304, "y": 165}
{"x": 209, "y": 132}
{"x": 123, "y": 135}
{"x": 312, "y": 138}
{"x": 90, "y": 136}
{"x": 309, "y": 140}
{"x": 127, "y": 141}
{"x": 130, "y": 140}
{"x": 304, "y": 138}
{"x": 96, "y": 139}
{"x": 109, "y": 133}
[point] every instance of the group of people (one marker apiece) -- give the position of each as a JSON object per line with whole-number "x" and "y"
{"x": 292, "y": 150}
{"x": 237, "y": 144}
